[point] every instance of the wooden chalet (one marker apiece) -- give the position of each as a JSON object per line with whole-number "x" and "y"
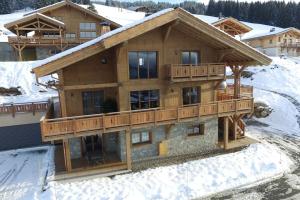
{"x": 232, "y": 26}
{"x": 276, "y": 42}
{"x": 55, "y": 28}
{"x": 155, "y": 88}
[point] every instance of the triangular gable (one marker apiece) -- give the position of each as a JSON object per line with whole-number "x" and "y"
{"x": 31, "y": 19}
{"x": 75, "y": 6}
{"x": 234, "y": 23}
{"x": 120, "y": 35}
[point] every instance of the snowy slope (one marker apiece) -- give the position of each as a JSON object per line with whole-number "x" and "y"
{"x": 282, "y": 76}
{"x": 18, "y": 74}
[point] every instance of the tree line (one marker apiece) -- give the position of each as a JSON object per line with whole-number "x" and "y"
{"x": 276, "y": 13}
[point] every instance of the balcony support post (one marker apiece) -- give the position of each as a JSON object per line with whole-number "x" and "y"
{"x": 225, "y": 133}
{"x": 128, "y": 149}
{"x": 67, "y": 155}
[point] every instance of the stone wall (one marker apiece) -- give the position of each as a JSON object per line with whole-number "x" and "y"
{"x": 148, "y": 150}
{"x": 45, "y": 52}
{"x": 178, "y": 142}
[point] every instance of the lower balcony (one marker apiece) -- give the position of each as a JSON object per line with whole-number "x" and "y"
{"x": 60, "y": 128}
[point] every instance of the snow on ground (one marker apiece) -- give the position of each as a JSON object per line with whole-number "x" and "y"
{"x": 22, "y": 173}
{"x": 18, "y": 74}
{"x": 190, "y": 180}
{"x": 279, "y": 105}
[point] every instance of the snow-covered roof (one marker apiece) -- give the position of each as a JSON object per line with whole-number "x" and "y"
{"x": 251, "y": 54}
{"x": 270, "y": 32}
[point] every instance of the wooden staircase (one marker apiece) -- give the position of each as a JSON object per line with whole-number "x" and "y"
{"x": 240, "y": 130}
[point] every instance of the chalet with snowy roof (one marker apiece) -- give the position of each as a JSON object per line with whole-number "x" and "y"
{"x": 152, "y": 89}
{"x": 229, "y": 25}
{"x": 276, "y": 42}
{"x": 55, "y": 28}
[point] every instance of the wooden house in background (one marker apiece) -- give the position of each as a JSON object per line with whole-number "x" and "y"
{"x": 153, "y": 89}
{"x": 276, "y": 42}
{"x": 55, "y": 28}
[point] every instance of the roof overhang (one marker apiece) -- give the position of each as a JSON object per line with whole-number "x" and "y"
{"x": 232, "y": 49}
{"x": 287, "y": 30}
{"x": 33, "y": 18}
{"x": 232, "y": 22}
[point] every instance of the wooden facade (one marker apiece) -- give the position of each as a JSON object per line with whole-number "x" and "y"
{"x": 104, "y": 68}
{"x": 232, "y": 26}
{"x": 59, "y": 26}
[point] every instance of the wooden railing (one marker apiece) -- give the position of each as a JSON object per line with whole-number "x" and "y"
{"x": 53, "y": 129}
{"x": 44, "y": 40}
{"x": 245, "y": 90}
{"x": 294, "y": 44}
{"x": 24, "y": 107}
{"x": 209, "y": 71}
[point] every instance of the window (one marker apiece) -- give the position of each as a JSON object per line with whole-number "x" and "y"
{"x": 189, "y": 58}
{"x": 92, "y": 102}
{"x": 196, "y": 130}
{"x": 142, "y": 64}
{"x": 51, "y": 35}
{"x": 70, "y": 36}
{"x": 190, "y": 95}
{"x": 270, "y": 41}
{"x": 141, "y": 137}
{"x": 87, "y": 26}
{"x": 88, "y": 34}
{"x": 144, "y": 99}
{"x": 279, "y": 39}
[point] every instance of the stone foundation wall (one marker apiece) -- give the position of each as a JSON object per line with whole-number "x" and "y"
{"x": 177, "y": 141}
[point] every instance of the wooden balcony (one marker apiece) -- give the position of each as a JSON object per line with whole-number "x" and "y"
{"x": 59, "y": 128}
{"x": 245, "y": 90}
{"x": 209, "y": 71}
{"x": 32, "y": 107}
{"x": 44, "y": 41}
{"x": 290, "y": 45}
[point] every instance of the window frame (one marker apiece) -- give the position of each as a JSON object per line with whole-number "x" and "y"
{"x": 85, "y": 28}
{"x": 190, "y": 97}
{"x": 138, "y": 69}
{"x": 149, "y": 99}
{"x": 200, "y": 127}
{"x": 85, "y": 32}
{"x": 141, "y": 142}
{"x": 191, "y": 51}
{"x": 70, "y": 38}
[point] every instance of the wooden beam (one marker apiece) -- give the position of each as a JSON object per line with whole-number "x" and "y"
{"x": 128, "y": 149}
{"x": 225, "y": 133}
{"x": 67, "y": 155}
{"x": 91, "y": 86}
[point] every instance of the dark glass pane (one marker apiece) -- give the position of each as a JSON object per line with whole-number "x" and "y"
{"x": 194, "y": 58}
{"x": 145, "y": 105}
{"x": 143, "y": 68}
{"x": 144, "y": 96}
{"x": 154, "y": 104}
{"x": 152, "y": 62}
{"x": 154, "y": 95}
{"x": 134, "y": 106}
{"x": 185, "y": 96}
{"x": 92, "y": 102}
{"x": 133, "y": 65}
{"x": 134, "y": 96}
{"x": 194, "y": 95}
{"x": 185, "y": 57}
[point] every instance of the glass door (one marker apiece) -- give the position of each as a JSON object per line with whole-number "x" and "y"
{"x": 93, "y": 102}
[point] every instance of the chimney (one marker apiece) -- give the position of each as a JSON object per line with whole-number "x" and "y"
{"x": 272, "y": 29}
{"x": 220, "y": 15}
{"x": 105, "y": 27}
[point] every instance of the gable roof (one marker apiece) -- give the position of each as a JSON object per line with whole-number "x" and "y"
{"x": 34, "y": 16}
{"x": 276, "y": 31}
{"x": 234, "y": 22}
{"x": 75, "y": 6}
{"x": 221, "y": 40}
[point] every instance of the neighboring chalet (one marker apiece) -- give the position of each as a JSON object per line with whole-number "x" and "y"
{"x": 55, "y": 28}
{"x": 229, "y": 25}
{"x": 276, "y": 42}
{"x": 151, "y": 89}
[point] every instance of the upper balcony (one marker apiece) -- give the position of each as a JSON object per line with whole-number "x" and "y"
{"x": 201, "y": 72}
{"x": 45, "y": 41}
{"x": 59, "y": 128}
